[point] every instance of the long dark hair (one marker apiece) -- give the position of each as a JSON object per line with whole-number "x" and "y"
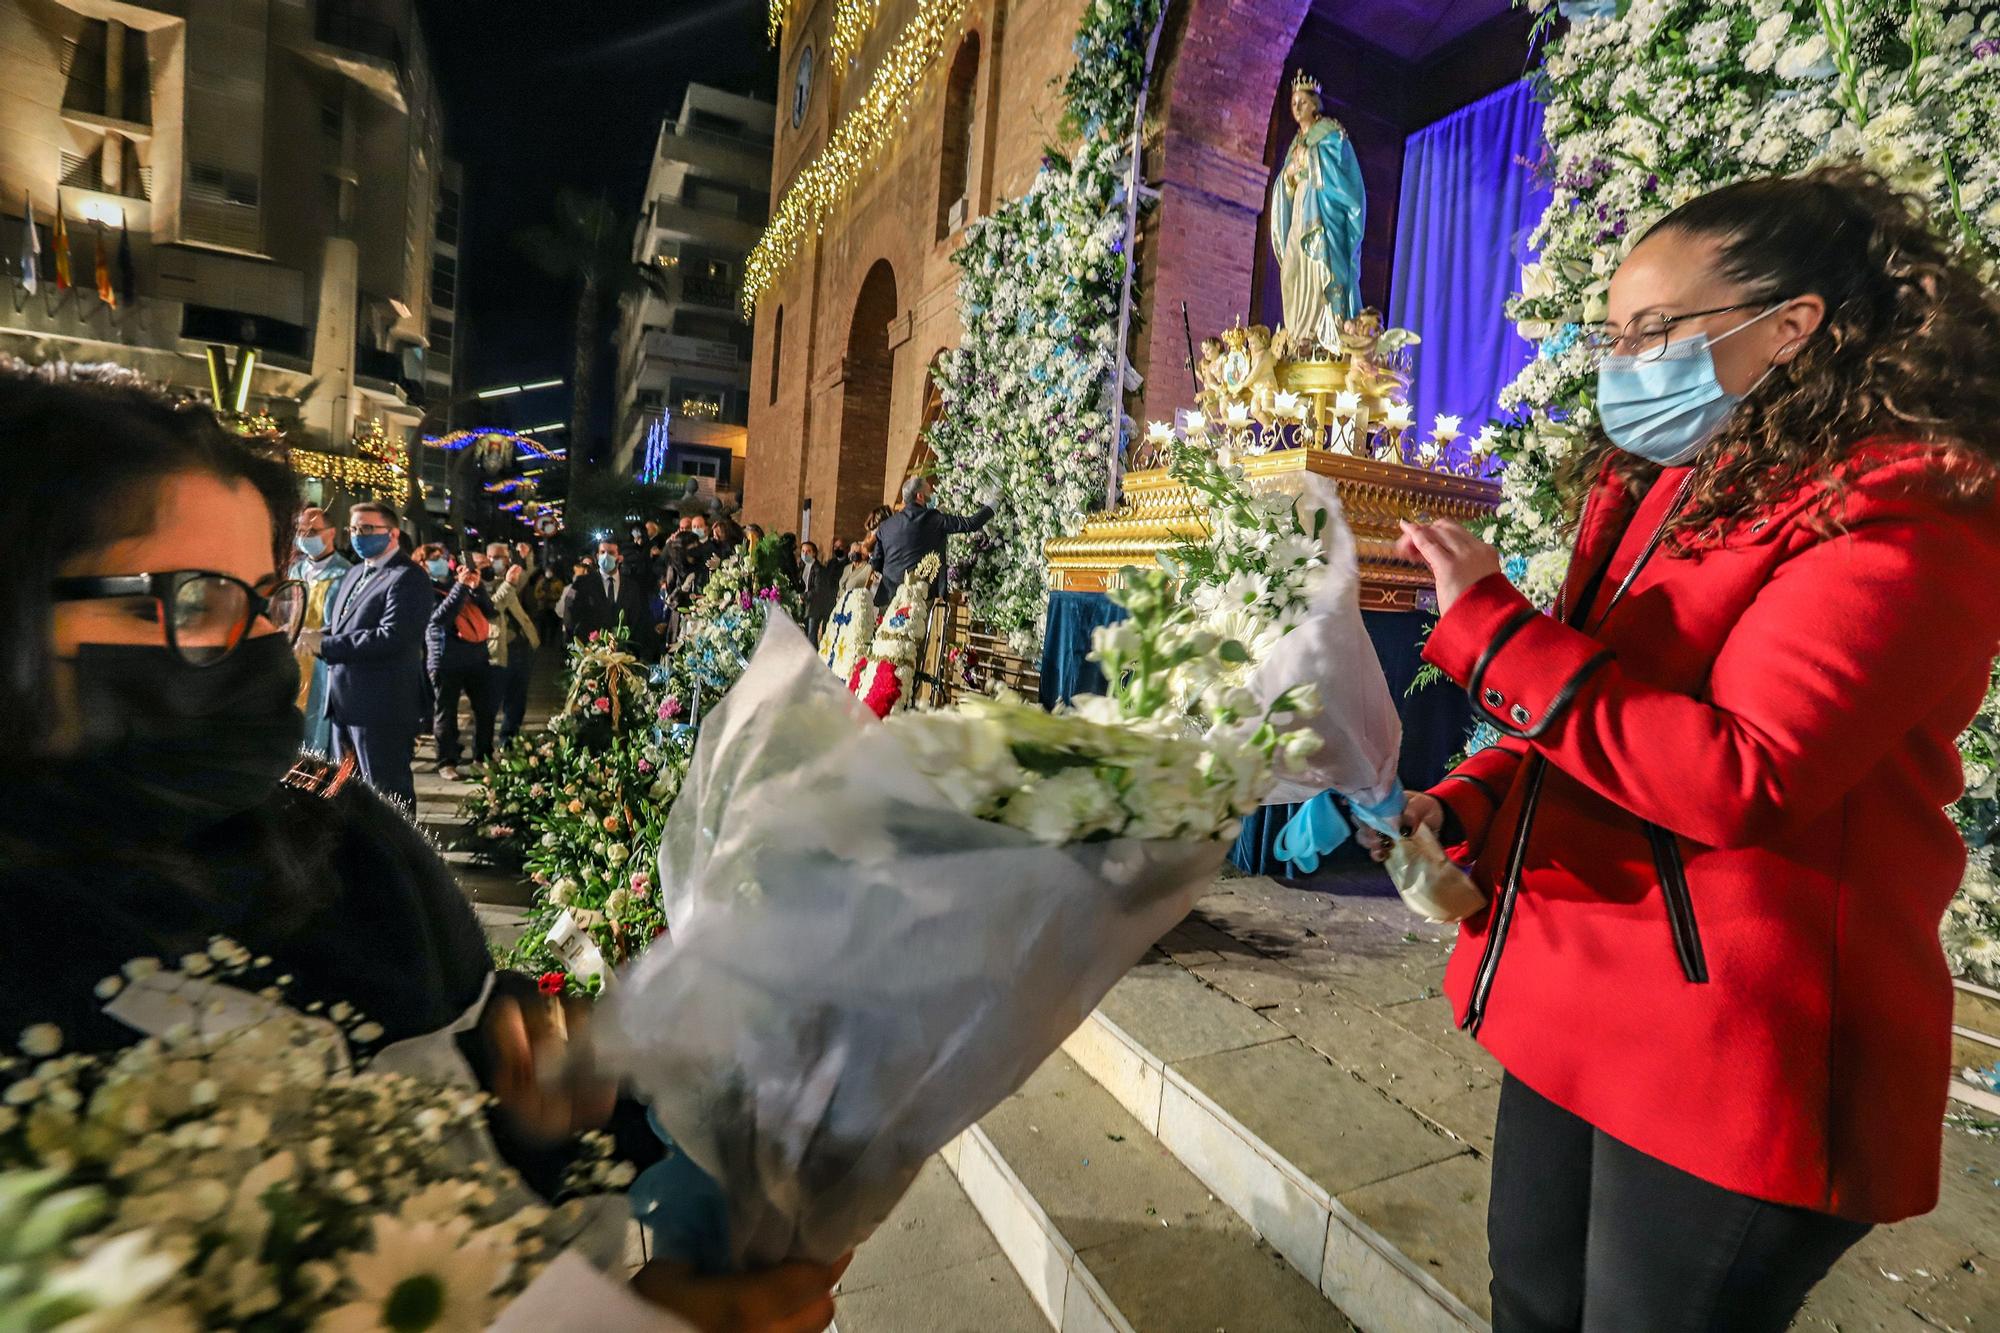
{"x": 1910, "y": 349}
{"x": 89, "y": 462}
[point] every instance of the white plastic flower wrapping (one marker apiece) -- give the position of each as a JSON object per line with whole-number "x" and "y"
{"x": 856, "y": 968}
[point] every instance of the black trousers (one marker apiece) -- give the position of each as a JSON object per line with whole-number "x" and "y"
{"x": 513, "y": 688}
{"x": 382, "y": 754}
{"x": 475, "y": 681}
{"x": 1588, "y": 1234}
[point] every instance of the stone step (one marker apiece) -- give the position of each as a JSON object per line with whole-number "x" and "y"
{"x": 1976, "y": 1007}
{"x": 1381, "y": 1211}
{"x": 1252, "y": 1043}
{"x": 933, "y": 1267}
{"x": 504, "y": 925}
{"x": 1108, "y": 1231}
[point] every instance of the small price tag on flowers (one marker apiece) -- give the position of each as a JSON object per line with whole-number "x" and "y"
{"x": 572, "y": 943}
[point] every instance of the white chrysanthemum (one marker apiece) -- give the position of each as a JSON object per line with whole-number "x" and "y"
{"x": 436, "y": 1277}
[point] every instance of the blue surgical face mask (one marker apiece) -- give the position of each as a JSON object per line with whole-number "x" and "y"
{"x": 438, "y": 568}
{"x": 607, "y": 561}
{"x": 312, "y": 547}
{"x": 1665, "y": 409}
{"x": 368, "y": 545}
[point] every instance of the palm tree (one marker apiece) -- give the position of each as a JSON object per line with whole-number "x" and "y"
{"x": 589, "y": 242}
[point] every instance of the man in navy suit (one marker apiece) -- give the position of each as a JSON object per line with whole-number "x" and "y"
{"x": 374, "y": 651}
{"x": 915, "y": 531}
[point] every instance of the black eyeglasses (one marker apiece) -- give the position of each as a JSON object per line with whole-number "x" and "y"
{"x": 1649, "y": 340}
{"x": 205, "y": 615}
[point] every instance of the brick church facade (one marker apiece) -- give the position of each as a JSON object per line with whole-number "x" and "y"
{"x": 845, "y": 342}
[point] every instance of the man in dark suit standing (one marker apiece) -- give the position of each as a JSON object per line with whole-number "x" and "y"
{"x": 612, "y": 590}
{"x": 374, "y": 651}
{"x": 915, "y": 531}
{"x": 820, "y": 585}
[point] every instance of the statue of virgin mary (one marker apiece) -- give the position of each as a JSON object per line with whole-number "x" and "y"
{"x": 1317, "y": 206}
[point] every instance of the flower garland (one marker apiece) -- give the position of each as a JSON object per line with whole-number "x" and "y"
{"x": 886, "y": 679}
{"x": 1027, "y": 415}
{"x": 848, "y": 631}
{"x": 1654, "y": 102}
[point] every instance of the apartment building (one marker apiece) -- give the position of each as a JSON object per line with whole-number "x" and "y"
{"x": 683, "y": 379}
{"x": 265, "y": 175}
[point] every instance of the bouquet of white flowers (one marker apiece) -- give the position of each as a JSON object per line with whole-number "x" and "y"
{"x": 234, "y": 1170}
{"x": 856, "y": 971}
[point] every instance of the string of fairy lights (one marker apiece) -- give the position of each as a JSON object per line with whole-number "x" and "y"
{"x": 851, "y": 21}
{"x": 861, "y": 135}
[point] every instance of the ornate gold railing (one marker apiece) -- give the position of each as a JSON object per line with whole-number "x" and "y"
{"x": 1158, "y": 512}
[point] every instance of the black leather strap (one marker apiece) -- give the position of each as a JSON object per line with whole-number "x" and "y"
{"x": 1563, "y": 699}
{"x": 1485, "y": 787}
{"x": 1515, "y": 624}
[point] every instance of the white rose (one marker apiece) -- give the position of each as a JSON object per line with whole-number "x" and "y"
{"x": 1805, "y": 60}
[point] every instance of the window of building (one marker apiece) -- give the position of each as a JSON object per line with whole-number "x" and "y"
{"x": 699, "y": 465}
{"x": 955, "y": 149}
{"x": 703, "y": 402}
{"x": 213, "y": 184}
{"x": 441, "y": 331}
{"x": 777, "y": 349}
{"x": 447, "y": 219}
{"x": 444, "y": 280}
{"x": 709, "y": 197}
{"x": 650, "y": 400}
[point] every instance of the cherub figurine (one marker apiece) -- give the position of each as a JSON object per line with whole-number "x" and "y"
{"x": 1214, "y": 392}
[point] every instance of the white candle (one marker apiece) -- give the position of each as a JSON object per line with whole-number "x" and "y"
{"x": 1196, "y": 422}
{"x": 1346, "y": 403}
{"x": 1398, "y": 417}
{"x": 1159, "y": 432}
{"x": 1446, "y": 428}
{"x": 1285, "y": 403}
{"x": 1237, "y": 415}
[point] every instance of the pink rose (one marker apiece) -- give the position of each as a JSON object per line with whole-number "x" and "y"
{"x": 603, "y": 705}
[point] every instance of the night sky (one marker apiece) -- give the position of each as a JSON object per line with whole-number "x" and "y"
{"x": 538, "y": 96}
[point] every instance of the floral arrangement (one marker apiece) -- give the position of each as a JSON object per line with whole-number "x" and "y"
{"x": 597, "y": 791}
{"x": 1121, "y": 764}
{"x": 849, "y": 630}
{"x": 1029, "y": 414}
{"x": 886, "y": 678}
{"x": 246, "y": 1175}
{"x": 1972, "y": 924}
{"x": 1654, "y": 102}
{"x": 1250, "y": 574}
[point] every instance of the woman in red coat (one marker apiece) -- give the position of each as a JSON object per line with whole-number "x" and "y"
{"x": 1714, "y": 832}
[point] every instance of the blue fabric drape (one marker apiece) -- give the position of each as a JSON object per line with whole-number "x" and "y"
{"x": 1066, "y": 670}
{"x": 1436, "y": 720}
{"x": 1469, "y": 201}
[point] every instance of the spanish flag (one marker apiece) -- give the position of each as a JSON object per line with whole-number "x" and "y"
{"x": 105, "y": 291}
{"x": 59, "y": 236}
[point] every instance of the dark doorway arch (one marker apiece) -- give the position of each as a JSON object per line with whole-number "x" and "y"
{"x": 864, "y": 403}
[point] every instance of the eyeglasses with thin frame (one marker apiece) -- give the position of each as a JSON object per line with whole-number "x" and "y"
{"x": 1650, "y": 340}
{"x": 206, "y": 616}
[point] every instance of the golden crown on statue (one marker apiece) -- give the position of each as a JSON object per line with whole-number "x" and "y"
{"x": 1306, "y": 82}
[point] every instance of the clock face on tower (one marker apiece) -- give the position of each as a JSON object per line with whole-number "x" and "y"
{"x": 802, "y": 85}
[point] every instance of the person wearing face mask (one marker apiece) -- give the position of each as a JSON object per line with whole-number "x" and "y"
{"x": 373, "y": 646}
{"x": 609, "y": 599}
{"x": 157, "y": 798}
{"x": 456, "y": 656}
{"x": 916, "y": 530}
{"x": 1713, "y": 833}
{"x": 320, "y": 566}
{"x": 512, "y": 641}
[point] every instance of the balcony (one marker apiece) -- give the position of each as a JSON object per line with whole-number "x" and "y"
{"x": 351, "y": 41}
{"x": 711, "y": 292}
{"x": 705, "y": 353}
{"x": 726, "y": 157}
{"x": 723, "y": 230}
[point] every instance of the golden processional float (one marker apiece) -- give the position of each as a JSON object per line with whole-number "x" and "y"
{"x": 1284, "y": 410}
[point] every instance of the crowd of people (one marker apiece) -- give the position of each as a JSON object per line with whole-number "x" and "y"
{"x": 639, "y": 587}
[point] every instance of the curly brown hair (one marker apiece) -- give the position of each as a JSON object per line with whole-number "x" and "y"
{"x": 1910, "y": 349}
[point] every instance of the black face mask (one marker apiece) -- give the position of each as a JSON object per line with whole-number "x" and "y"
{"x": 170, "y": 748}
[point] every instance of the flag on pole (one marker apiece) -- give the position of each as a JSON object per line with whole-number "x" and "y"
{"x": 128, "y": 281}
{"x": 102, "y": 269}
{"x": 59, "y": 242}
{"x": 31, "y": 249}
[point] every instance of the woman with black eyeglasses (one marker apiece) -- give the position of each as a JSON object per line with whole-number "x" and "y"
{"x": 153, "y": 796}
{"x": 1714, "y": 831}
